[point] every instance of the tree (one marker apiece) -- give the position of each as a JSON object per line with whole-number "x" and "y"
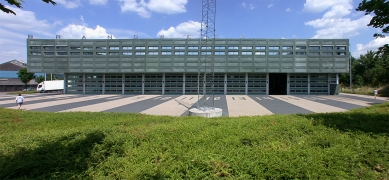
{"x": 380, "y": 8}
{"x": 39, "y": 79}
{"x": 18, "y": 4}
{"x": 25, "y": 76}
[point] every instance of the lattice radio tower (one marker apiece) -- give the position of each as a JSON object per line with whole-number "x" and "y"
{"x": 206, "y": 73}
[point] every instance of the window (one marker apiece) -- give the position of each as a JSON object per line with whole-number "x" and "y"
{"x": 62, "y": 53}
{"x": 232, "y": 53}
{"x": 327, "y": 48}
{"x": 206, "y": 53}
{"x": 301, "y": 47}
{"x": 179, "y": 47}
{"x": 260, "y": 53}
{"x": 140, "y": 47}
{"x": 48, "y": 47}
{"x": 220, "y": 47}
{"x": 166, "y": 47}
{"x": 35, "y": 47}
{"x": 113, "y": 53}
{"x": 114, "y": 48}
{"x": 36, "y": 53}
{"x": 206, "y": 47}
{"x": 341, "y": 47}
{"x": 166, "y": 53}
{"x": 62, "y": 48}
{"x": 247, "y": 47}
{"x": 341, "y": 53}
{"x": 274, "y": 53}
{"x": 247, "y": 53}
{"x": 74, "y": 53}
{"x": 75, "y": 48}
{"x": 260, "y": 47}
{"x": 220, "y": 53}
{"x": 140, "y": 53}
{"x": 233, "y": 47}
{"x": 274, "y": 47}
{"x": 101, "y": 48}
{"x": 193, "y": 47}
{"x": 49, "y": 53}
{"x": 301, "y": 53}
{"x": 314, "y": 53}
{"x": 326, "y": 54}
{"x": 87, "y": 48}
{"x": 314, "y": 47}
{"x": 153, "y": 47}
{"x": 153, "y": 53}
{"x": 179, "y": 53}
{"x": 127, "y": 53}
{"x": 287, "y": 53}
{"x": 127, "y": 47}
{"x": 287, "y": 47}
{"x": 101, "y": 53}
{"x": 193, "y": 53}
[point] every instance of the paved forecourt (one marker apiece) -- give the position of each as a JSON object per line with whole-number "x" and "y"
{"x": 179, "y": 105}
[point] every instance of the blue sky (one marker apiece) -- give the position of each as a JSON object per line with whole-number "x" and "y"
{"x": 96, "y": 19}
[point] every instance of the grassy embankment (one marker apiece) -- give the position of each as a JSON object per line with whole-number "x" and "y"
{"x": 83, "y": 145}
{"x": 365, "y": 90}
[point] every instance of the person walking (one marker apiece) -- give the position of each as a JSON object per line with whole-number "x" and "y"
{"x": 375, "y": 93}
{"x": 19, "y": 100}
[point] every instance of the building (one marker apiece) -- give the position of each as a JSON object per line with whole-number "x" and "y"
{"x": 9, "y": 80}
{"x": 169, "y": 66}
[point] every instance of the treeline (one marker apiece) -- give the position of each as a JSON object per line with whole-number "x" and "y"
{"x": 370, "y": 69}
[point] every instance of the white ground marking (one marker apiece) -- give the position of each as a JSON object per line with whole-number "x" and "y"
{"x": 247, "y": 107}
{"x": 308, "y": 105}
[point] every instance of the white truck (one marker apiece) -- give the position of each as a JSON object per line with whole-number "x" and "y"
{"x": 48, "y": 86}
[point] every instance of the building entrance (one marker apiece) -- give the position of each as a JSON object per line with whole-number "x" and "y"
{"x": 277, "y": 84}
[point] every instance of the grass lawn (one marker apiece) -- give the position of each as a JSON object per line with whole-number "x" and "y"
{"x": 86, "y": 145}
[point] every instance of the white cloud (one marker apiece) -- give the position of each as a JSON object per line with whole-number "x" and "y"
{"x": 73, "y": 31}
{"x": 144, "y": 9}
{"x": 288, "y": 10}
{"x": 372, "y": 45}
{"x": 98, "y": 2}
{"x": 184, "y": 29}
{"x": 69, "y": 3}
{"x": 321, "y": 5}
{"x": 270, "y": 5}
{"x": 244, "y": 4}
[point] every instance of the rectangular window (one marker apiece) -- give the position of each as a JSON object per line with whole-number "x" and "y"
{"x": 113, "y": 53}
{"x": 301, "y": 47}
{"x": 140, "y": 53}
{"x": 153, "y": 47}
{"x": 247, "y": 53}
{"x": 36, "y": 53}
{"x": 166, "y": 53}
{"x": 127, "y": 47}
{"x": 35, "y": 47}
{"x": 87, "y": 48}
{"x": 274, "y": 47}
{"x": 140, "y": 47}
{"x": 166, "y": 47}
{"x": 220, "y": 53}
{"x": 326, "y": 54}
{"x": 260, "y": 47}
{"x": 75, "y": 48}
{"x": 274, "y": 53}
{"x": 49, "y": 53}
{"x": 101, "y": 53}
{"x": 340, "y": 53}
{"x": 327, "y": 48}
{"x": 233, "y": 47}
{"x": 48, "y": 47}
{"x": 193, "y": 53}
{"x": 153, "y": 53}
{"x": 314, "y": 53}
{"x": 62, "y": 53}
{"x": 206, "y": 47}
{"x": 287, "y": 53}
{"x": 233, "y": 53}
{"x": 62, "y": 48}
{"x": 179, "y": 47}
{"x": 101, "y": 48}
{"x": 220, "y": 47}
{"x": 206, "y": 53}
{"x": 74, "y": 53}
{"x": 314, "y": 47}
{"x": 301, "y": 53}
{"x": 341, "y": 47}
{"x": 179, "y": 53}
{"x": 261, "y": 53}
{"x": 127, "y": 53}
{"x": 88, "y": 53}
{"x": 247, "y": 47}
{"x": 193, "y": 47}
{"x": 287, "y": 47}
{"x": 114, "y": 48}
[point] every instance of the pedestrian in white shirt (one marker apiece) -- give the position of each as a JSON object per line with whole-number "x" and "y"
{"x": 19, "y": 100}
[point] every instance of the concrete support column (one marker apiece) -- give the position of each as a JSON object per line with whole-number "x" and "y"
{"x": 225, "y": 84}
{"x": 309, "y": 84}
{"x": 103, "y": 84}
{"x": 143, "y": 83}
{"x": 337, "y": 78}
{"x": 65, "y": 83}
{"x": 83, "y": 83}
{"x": 288, "y": 83}
{"x": 267, "y": 83}
{"x": 163, "y": 83}
{"x": 183, "y": 84}
{"x": 123, "y": 82}
{"x": 246, "y": 86}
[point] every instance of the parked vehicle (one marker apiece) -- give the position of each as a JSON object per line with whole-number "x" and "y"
{"x": 49, "y": 86}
